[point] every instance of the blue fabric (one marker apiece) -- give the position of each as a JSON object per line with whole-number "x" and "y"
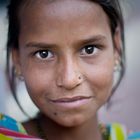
{"x": 10, "y": 123}
{"x": 134, "y": 136}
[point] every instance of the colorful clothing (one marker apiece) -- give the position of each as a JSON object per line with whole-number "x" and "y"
{"x": 113, "y": 131}
{"x": 12, "y": 130}
{"x": 134, "y": 136}
{"x": 9, "y": 123}
{"x": 117, "y": 131}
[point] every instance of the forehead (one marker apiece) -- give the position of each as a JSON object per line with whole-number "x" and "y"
{"x": 52, "y": 15}
{"x": 63, "y": 9}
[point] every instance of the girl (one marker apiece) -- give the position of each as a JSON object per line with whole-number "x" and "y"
{"x": 66, "y": 52}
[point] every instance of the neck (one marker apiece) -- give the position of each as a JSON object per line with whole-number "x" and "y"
{"x": 89, "y": 130}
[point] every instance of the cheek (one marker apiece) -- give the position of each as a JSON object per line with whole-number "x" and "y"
{"x": 38, "y": 82}
{"x": 100, "y": 79}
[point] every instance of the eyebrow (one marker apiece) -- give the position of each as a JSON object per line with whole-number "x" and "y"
{"x": 97, "y": 38}
{"x": 39, "y": 44}
{"x": 93, "y": 39}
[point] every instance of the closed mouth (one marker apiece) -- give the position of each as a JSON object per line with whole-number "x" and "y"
{"x": 69, "y": 100}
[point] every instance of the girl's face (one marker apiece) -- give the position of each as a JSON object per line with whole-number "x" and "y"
{"x": 66, "y": 56}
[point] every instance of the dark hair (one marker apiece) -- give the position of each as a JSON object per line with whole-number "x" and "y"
{"x": 111, "y": 8}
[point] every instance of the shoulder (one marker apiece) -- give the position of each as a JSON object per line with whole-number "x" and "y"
{"x": 116, "y": 131}
{"x": 10, "y": 123}
{"x": 113, "y": 131}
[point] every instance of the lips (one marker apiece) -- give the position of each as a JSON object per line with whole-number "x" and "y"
{"x": 69, "y": 100}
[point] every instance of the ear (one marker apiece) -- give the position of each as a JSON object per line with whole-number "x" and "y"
{"x": 117, "y": 44}
{"x": 16, "y": 61}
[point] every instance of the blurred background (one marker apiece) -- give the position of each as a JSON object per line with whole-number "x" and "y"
{"x": 125, "y": 103}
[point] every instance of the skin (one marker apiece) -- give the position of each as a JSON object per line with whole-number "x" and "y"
{"x": 62, "y": 30}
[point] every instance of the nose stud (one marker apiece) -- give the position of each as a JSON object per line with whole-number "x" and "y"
{"x": 70, "y": 82}
{"x": 79, "y": 77}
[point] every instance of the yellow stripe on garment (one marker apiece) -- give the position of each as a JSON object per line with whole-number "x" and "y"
{"x": 117, "y": 132}
{"x": 3, "y": 137}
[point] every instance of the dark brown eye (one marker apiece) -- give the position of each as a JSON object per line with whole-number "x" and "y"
{"x": 45, "y": 54}
{"x": 89, "y": 50}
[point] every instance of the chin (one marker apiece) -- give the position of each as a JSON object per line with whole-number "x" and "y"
{"x": 71, "y": 117}
{"x": 71, "y": 121}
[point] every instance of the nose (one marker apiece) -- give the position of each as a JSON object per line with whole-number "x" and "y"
{"x": 69, "y": 76}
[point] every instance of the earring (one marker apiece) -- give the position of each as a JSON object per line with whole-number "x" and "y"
{"x": 21, "y": 78}
{"x": 19, "y": 75}
{"x": 117, "y": 66}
